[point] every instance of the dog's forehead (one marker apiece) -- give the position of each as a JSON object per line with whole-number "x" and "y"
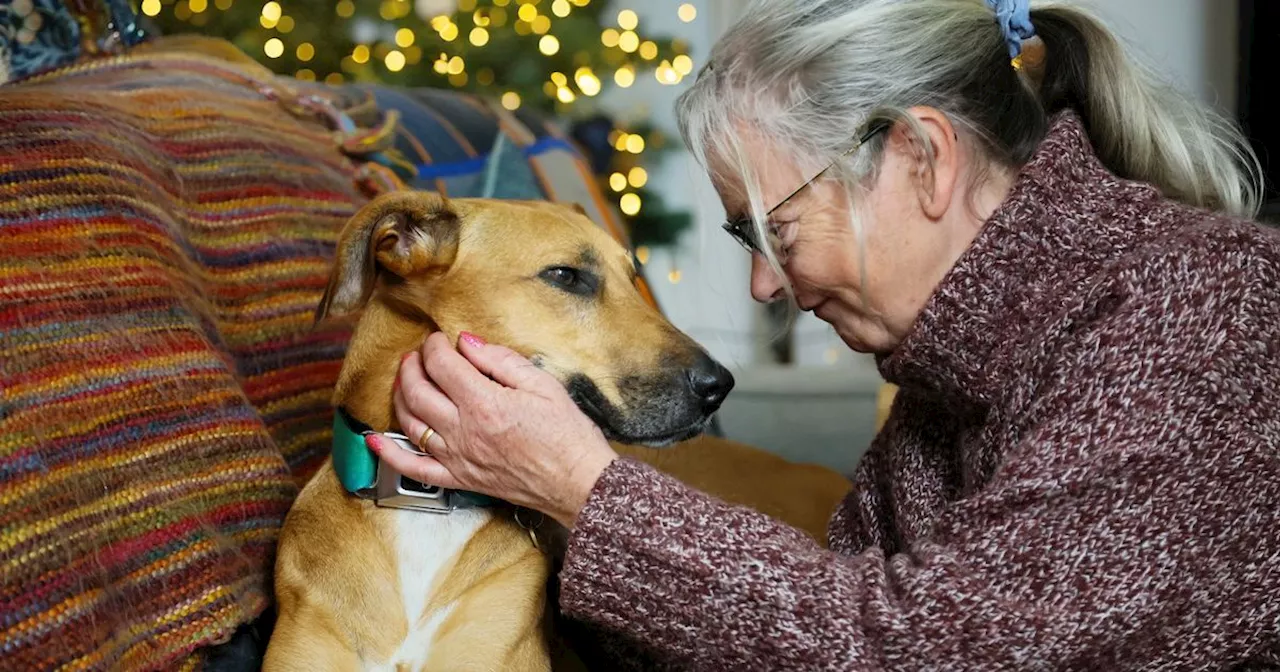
{"x": 529, "y": 226}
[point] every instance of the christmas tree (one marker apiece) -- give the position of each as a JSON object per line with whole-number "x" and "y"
{"x": 555, "y": 56}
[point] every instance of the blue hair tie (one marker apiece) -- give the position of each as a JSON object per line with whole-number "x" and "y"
{"x": 1014, "y": 17}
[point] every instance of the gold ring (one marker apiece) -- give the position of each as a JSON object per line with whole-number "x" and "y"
{"x": 426, "y": 436}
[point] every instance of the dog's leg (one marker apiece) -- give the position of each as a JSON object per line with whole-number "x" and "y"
{"x": 309, "y": 641}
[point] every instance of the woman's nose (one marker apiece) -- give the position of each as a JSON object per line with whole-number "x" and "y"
{"x": 766, "y": 285}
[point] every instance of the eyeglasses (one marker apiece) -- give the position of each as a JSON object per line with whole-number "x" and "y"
{"x": 742, "y": 229}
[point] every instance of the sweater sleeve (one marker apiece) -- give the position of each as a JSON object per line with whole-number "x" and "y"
{"x": 1137, "y": 501}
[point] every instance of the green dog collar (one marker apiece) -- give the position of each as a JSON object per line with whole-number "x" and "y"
{"x": 356, "y": 465}
{"x": 362, "y": 474}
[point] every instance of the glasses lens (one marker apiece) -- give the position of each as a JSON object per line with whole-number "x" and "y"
{"x": 742, "y": 232}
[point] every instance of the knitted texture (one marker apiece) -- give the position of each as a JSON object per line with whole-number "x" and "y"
{"x": 165, "y": 233}
{"x": 1080, "y": 471}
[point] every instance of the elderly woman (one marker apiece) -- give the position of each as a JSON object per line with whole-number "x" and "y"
{"x": 1052, "y": 258}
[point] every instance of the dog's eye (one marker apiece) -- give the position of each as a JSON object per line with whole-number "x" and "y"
{"x": 571, "y": 280}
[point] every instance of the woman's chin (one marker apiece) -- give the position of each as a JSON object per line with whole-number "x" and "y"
{"x": 860, "y": 335}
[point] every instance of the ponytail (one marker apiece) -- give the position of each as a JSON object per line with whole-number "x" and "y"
{"x": 1141, "y": 129}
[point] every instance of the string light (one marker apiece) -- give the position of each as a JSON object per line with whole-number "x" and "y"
{"x": 630, "y": 204}
{"x": 305, "y": 52}
{"x": 285, "y": 25}
{"x": 527, "y": 13}
{"x": 548, "y": 45}
{"x": 565, "y": 95}
{"x": 360, "y": 54}
{"x": 667, "y": 74}
{"x": 620, "y": 143}
{"x": 346, "y": 9}
{"x": 649, "y": 50}
{"x": 635, "y": 144}
{"x": 638, "y": 177}
{"x": 687, "y": 13}
{"x": 629, "y": 42}
{"x": 334, "y": 79}
{"x": 456, "y": 65}
{"x": 459, "y": 79}
{"x": 674, "y": 276}
{"x": 480, "y": 18}
{"x": 682, "y": 64}
{"x": 271, "y": 11}
{"x": 151, "y": 7}
{"x": 523, "y": 27}
{"x": 497, "y": 17}
{"x": 404, "y": 37}
{"x": 559, "y": 79}
{"x": 264, "y": 21}
{"x": 587, "y": 81}
{"x": 609, "y": 38}
{"x": 394, "y": 61}
{"x": 441, "y": 65}
{"x": 223, "y": 5}
{"x": 511, "y": 100}
{"x": 413, "y": 54}
{"x": 625, "y": 76}
{"x": 273, "y": 48}
{"x": 642, "y": 254}
{"x": 305, "y": 75}
{"x": 479, "y": 37}
{"x": 541, "y": 25}
{"x": 561, "y": 8}
{"x": 628, "y": 20}
{"x": 618, "y": 182}
{"x": 198, "y": 6}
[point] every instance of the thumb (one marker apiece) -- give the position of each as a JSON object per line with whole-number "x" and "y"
{"x": 504, "y": 365}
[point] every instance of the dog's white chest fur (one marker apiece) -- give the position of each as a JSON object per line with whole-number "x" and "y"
{"x": 426, "y": 545}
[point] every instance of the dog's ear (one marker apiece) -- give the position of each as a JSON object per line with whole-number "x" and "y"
{"x": 403, "y": 233}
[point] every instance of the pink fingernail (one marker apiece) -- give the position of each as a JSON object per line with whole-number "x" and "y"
{"x": 471, "y": 339}
{"x": 371, "y": 440}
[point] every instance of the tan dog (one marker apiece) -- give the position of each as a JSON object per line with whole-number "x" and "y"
{"x": 365, "y": 587}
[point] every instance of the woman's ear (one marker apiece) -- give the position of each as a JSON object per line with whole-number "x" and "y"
{"x": 402, "y": 234}
{"x": 938, "y": 165}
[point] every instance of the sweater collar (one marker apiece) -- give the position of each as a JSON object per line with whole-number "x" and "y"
{"x": 1065, "y": 217}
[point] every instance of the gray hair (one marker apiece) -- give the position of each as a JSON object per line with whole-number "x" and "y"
{"x": 808, "y": 75}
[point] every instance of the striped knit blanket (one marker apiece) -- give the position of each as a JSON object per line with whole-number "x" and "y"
{"x": 167, "y": 222}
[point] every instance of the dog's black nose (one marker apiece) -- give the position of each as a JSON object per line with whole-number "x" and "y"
{"x": 710, "y": 382}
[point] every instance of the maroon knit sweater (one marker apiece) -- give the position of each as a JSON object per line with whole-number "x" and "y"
{"x": 1081, "y": 470}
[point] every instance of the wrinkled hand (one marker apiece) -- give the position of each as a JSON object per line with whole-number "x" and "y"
{"x": 503, "y": 427}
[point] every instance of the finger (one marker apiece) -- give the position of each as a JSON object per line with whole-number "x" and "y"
{"x": 426, "y": 470}
{"x": 418, "y": 398}
{"x": 454, "y": 374}
{"x": 506, "y": 366}
{"x": 415, "y": 428}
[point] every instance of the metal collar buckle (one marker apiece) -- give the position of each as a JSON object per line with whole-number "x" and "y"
{"x": 393, "y": 490}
